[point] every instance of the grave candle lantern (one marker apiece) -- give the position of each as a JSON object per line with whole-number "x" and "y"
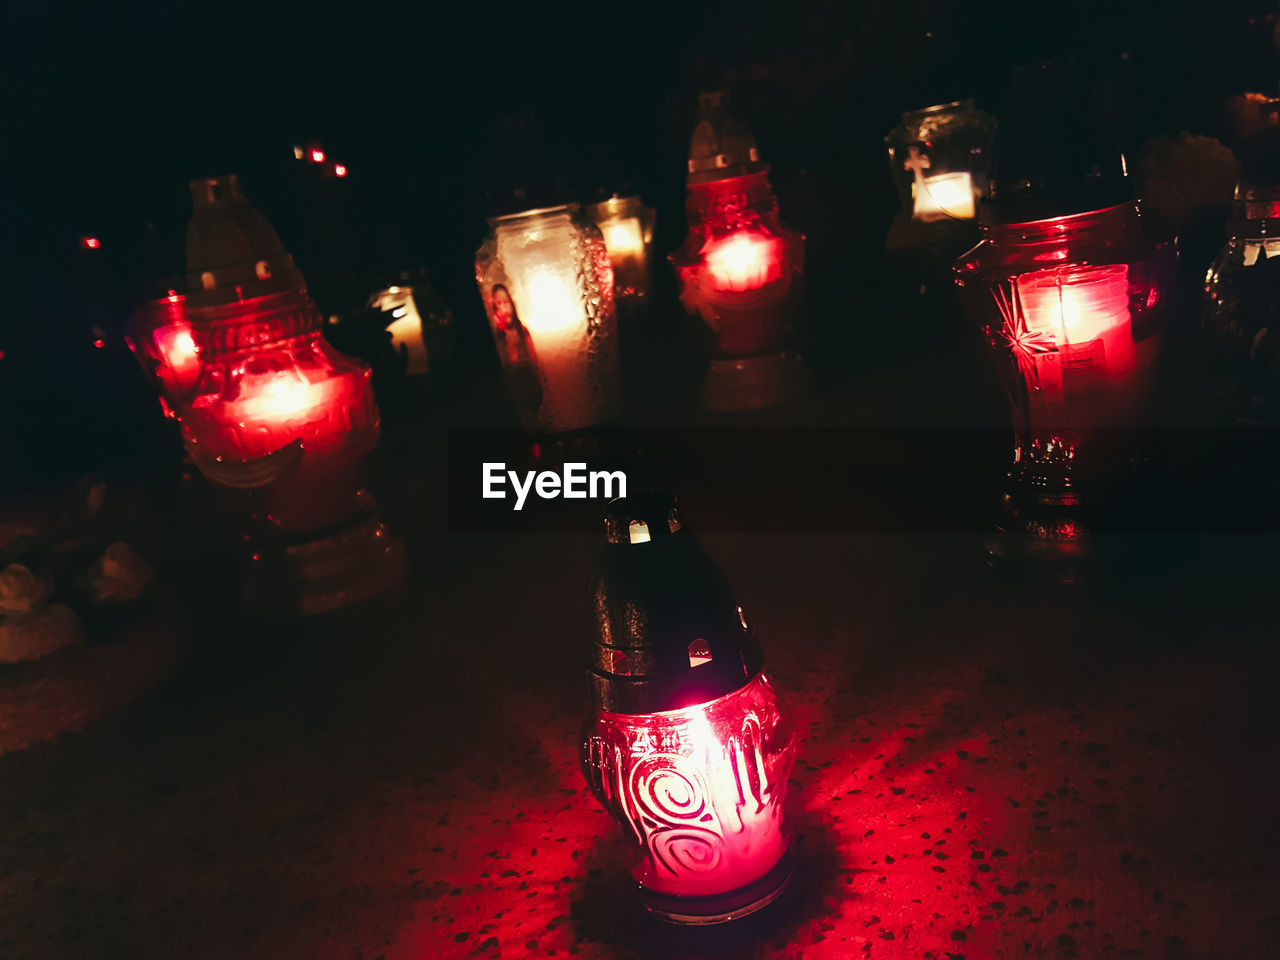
{"x": 280, "y": 420}
{"x": 938, "y": 159}
{"x": 1071, "y": 309}
{"x": 689, "y": 745}
{"x": 159, "y": 335}
{"x": 547, "y": 286}
{"x": 740, "y": 268}
{"x": 627, "y": 226}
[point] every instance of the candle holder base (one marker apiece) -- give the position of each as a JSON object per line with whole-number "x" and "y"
{"x": 327, "y": 573}
{"x": 1041, "y": 535}
{"x": 721, "y": 908}
{"x": 753, "y": 383}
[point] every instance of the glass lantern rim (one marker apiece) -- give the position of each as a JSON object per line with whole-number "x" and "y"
{"x": 508, "y": 218}
{"x": 673, "y": 715}
{"x": 937, "y": 108}
{"x": 1062, "y": 222}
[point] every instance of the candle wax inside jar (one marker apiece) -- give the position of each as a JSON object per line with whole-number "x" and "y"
{"x": 1253, "y": 250}
{"x": 405, "y": 326}
{"x": 623, "y": 237}
{"x": 555, "y": 319}
{"x": 948, "y": 196}
{"x": 181, "y": 367}
{"x": 744, "y": 261}
{"x": 1077, "y": 306}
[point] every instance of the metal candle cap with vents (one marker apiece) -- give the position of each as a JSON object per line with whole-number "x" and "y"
{"x": 669, "y": 633}
{"x": 722, "y": 146}
{"x": 233, "y": 252}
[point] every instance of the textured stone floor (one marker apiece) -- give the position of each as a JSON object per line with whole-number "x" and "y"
{"x": 985, "y": 772}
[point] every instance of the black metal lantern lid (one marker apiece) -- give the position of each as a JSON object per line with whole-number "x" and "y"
{"x": 722, "y": 146}
{"x": 669, "y": 633}
{"x": 1055, "y": 152}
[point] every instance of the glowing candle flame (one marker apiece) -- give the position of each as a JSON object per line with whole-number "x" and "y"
{"x": 744, "y": 261}
{"x": 946, "y": 196}
{"x": 553, "y": 307}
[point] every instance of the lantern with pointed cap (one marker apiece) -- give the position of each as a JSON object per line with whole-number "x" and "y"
{"x": 279, "y": 417}
{"x": 547, "y": 286}
{"x": 1069, "y": 285}
{"x": 689, "y": 745}
{"x": 1242, "y": 288}
{"x": 740, "y": 268}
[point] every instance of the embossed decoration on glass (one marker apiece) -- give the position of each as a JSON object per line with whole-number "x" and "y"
{"x": 690, "y": 746}
{"x": 547, "y": 286}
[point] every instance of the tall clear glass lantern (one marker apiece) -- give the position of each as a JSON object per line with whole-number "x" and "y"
{"x": 938, "y": 159}
{"x": 741, "y": 270}
{"x": 280, "y": 422}
{"x": 689, "y": 745}
{"x": 627, "y": 226}
{"x": 1242, "y": 293}
{"x": 1071, "y": 308}
{"x": 547, "y": 286}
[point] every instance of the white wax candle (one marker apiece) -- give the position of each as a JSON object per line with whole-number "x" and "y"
{"x": 405, "y": 327}
{"x": 1253, "y": 249}
{"x": 948, "y": 196}
{"x": 1077, "y": 306}
{"x": 556, "y": 320}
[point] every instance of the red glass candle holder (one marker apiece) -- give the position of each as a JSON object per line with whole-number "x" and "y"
{"x": 159, "y": 334}
{"x": 740, "y": 268}
{"x": 280, "y": 421}
{"x": 1071, "y": 308}
{"x": 689, "y": 746}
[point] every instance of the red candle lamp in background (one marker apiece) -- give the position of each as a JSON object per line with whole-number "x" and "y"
{"x": 689, "y": 745}
{"x": 740, "y": 269}
{"x": 1071, "y": 308}
{"x": 280, "y": 420}
{"x": 160, "y": 336}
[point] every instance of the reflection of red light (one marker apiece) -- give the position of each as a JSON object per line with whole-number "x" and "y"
{"x": 90, "y": 243}
{"x": 744, "y": 261}
{"x": 339, "y": 170}
{"x": 317, "y": 156}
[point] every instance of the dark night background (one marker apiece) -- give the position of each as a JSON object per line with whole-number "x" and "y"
{"x": 987, "y": 767}
{"x": 113, "y": 109}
